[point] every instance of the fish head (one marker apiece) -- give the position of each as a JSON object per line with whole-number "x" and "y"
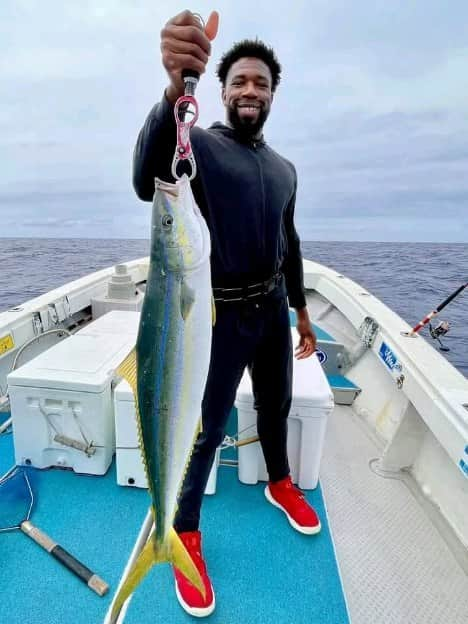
{"x": 179, "y": 229}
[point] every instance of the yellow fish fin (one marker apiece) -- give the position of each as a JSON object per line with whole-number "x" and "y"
{"x": 180, "y": 558}
{"x": 128, "y": 370}
{"x": 172, "y": 551}
{"x": 213, "y": 310}
{"x": 140, "y": 569}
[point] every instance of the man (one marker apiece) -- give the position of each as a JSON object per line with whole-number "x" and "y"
{"x": 246, "y": 192}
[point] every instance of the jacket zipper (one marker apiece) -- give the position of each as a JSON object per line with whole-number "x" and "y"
{"x": 262, "y": 208}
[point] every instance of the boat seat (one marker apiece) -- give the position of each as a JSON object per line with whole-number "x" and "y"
{"x": 330, "y": 353}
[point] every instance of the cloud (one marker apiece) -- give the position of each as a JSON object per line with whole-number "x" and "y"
{"x": 372, "y": 110}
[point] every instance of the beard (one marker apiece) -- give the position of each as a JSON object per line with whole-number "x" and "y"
{"x": 246, "y": 127}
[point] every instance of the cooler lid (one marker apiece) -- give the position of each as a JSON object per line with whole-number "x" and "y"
{"x": 79, "y": 363}
{"x": 122, "y": 322}
{"x": 310, "y": 386}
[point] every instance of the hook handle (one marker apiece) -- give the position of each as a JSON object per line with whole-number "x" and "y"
{"x": 191, "y": 78}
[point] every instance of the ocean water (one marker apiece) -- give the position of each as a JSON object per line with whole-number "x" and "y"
{"x": 411, "y": 278}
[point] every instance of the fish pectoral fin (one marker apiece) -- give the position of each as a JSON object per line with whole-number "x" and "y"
{"x": 180, "y": 558}
{"x": 187, "y": 299}
{"x": 140, "y": 569}
{"x": 213, "y": 310}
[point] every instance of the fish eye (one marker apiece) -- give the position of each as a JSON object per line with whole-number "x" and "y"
{"x": 167, "y": 220}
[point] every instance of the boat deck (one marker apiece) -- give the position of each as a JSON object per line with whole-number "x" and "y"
{"x": 262, "y": 569}
{"x": 395, "y": 565}
{"x": 395, "y": 561}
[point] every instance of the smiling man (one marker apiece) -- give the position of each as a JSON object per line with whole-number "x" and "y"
{"x": 246, "y": 192}
{"x": 247, "y": 88}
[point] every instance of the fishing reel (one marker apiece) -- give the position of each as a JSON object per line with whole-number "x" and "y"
{"x": 440, "y": 330}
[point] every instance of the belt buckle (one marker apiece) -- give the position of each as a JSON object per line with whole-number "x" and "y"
{"x": 259, "y": 291}
{"x": 268, "y": 285}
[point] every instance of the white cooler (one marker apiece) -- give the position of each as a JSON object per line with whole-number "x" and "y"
{"x": 312, "y": 403}
{"x": 61, "y": 403}
{"x": 117, "y": 322}
{"x": 129, "y": 463}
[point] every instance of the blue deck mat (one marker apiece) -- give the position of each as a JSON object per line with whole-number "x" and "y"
{"x": 340, "y": 382}
{"x": 262, "y": 570}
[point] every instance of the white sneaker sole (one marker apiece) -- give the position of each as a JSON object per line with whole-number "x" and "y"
{"x": 195, "y": 611}
{"x": 305, "y": 530}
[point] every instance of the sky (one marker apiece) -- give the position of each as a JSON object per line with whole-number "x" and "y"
{"x": 372, "y": 110}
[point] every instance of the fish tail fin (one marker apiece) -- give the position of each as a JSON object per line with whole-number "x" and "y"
{"x": 180, "y": 559}
{"x": 171, "y": 551}
{"x": 139, "y": 570}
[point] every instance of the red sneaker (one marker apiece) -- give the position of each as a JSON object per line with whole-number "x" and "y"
{"x": 284, "y": 495}
{"x": 187, "y": 594}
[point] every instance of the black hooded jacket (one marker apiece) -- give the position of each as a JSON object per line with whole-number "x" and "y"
{"x": 246, "y": 193}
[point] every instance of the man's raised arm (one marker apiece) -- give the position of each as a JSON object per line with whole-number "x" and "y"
{"x": 185, "y": 44}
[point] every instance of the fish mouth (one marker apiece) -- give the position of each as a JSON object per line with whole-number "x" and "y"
{"x": 167, "y": 187}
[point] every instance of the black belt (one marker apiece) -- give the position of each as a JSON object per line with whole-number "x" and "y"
{"x": 249, "y": 291}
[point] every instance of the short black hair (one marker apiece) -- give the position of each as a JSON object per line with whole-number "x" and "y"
{"x": 252, "y": 48}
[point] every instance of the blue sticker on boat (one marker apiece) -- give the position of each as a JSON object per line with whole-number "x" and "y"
{"x": 322, "y": 356}
{"x": 389, "y": 357}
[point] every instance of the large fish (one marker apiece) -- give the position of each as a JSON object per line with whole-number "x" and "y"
{"x": 168, "y": 368}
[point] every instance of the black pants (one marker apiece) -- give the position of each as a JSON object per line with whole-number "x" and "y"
{"x": 257, "y": 336}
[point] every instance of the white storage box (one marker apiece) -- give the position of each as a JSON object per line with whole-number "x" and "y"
{"x": 312, "y": 402}
{"x": 61, "y": 403}
{"x": 117, "y": 322}
{"x": 129, "y": 463}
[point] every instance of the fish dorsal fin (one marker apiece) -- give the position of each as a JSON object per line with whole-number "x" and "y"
{"x": 187, "y": 299}
{"x": 128, "y": 370}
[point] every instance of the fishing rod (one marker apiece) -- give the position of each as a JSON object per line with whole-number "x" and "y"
{"x": 443, "y": 327}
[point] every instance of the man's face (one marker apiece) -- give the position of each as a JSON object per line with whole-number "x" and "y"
{"x": 247, "y": 95}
